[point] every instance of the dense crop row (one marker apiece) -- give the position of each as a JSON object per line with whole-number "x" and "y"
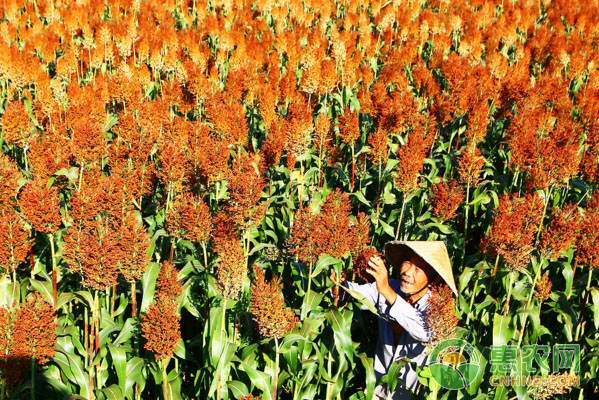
{"x": 179, "y": 178}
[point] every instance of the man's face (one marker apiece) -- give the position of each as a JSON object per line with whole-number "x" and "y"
{"x": 414, "y": 274}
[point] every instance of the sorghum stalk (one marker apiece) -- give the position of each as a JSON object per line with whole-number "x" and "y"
{"x": 300, "y": 190}
{"x": 205, "y": 255}
{"x": 378, "y": 198}
{"x": 544, "y": 212}
{"x": 583, "y": 306}
{"x": 532, "y": 290}
{"x": 80, "y": 177}
{"x": 133, "y": 300}
{"x": 113, "y": 299}
{"x": 473, "y": 295}
{"x": 353, "y": 163}
{"x": 330, "y": 372}
{"x": 222, "y": 331}
{"x": 164, "y": 378}
{"x": 86, "y": 334}
{"x": 403, "y": 206}
{"x": 33, "y": 378}
{"x": 54, "y": 294}
{"x": 509, "y": 293}
{"x": 276, "y": 371}
{"x": 466, "y": 223}
{"x": 304, "y": 304}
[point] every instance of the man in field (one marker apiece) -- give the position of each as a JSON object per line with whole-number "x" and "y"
{"x": 402, "y": 305}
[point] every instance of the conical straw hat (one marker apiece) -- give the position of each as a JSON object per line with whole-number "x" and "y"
{"x": 433, "y": 252}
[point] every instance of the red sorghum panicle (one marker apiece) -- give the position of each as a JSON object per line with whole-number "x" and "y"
{"x": 14, "y": 240}
{"x": 93, "y": 251}
{"x": 561, "y": 232}
{"x": 161, "y": 328}
{"x": 16, "y": 125}
{"x": 268, "y": 306}
{"x": 470, "y": 165}
{"x": 298, "y": 127}
{"x": 554, "y": 384}
{"x": 231, "y": 267}
{"x": 440, "y": 315}
{"x": 88, "y": 144}
{"x": 48, "y": 154}
{"x": 361, "y": 264}
{"x": 134, "y": 243}
{"x": 513, "y": 230}
{"x": 35, "y": 329}
{"x": 245, "y": 185}
{"x": 250, "y": 397}
{"x": 411, "y": 160}
{"x": 40, "y": 205}
{"x": 189, "y": 218}
{"x": 349, "y": 127}
{"x": 172, "y": 157}
{"x": 332, "y": 231}
{"x": 12, "y": 365}
{"x": 167, "y": 283}
{"x": 9, "y": 180}
{"x": 379, "y": 147}
{"x": 543, "y": 288}
{"x": 274, "y": 144}
{"x": 588, "y": 239}
{"x": 303, "y": 241}
{"x": 446, "y": 198}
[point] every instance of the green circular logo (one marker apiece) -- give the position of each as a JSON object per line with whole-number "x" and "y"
{"x": 454, "y": 364}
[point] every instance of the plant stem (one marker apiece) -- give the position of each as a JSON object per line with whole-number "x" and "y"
{"x": 472, "y": 299}
{"x": 304, "y": 304}
{"x": 33, "y": 378}
{"x": 205, "y": 256}
{"x": 14, "y": 284}
{"x": 170, "y": 258}
{"x": 378, "y": 198}
{"x": 544, "y": 212}
{"x": 222, "y": 330}
{"x": 51, "y": 239}
{"x": 466, "y": 223}
{"x": 164, "y": 379}
{"x": 86, "y": 334}
{"x": 133, "y": 300}
{"x": 403, "y": 206}
{"x": 275, "y": 377}
{"x": 320, "y": 164}
{"x": 353, "y": 166}
{"x": 300, "y": 190}
{"x": 573, "y": 274}
{"x": 246, "y": 247}
{"x": 80, "y": 177}
{"x": 493, "y": 274}
{"x": 112, "y": 300}
{"x": 330, "y": 372}
{"x": 583, "y": 306}
{"x": 509, "y": 293}
{"x": 529, "y": 298}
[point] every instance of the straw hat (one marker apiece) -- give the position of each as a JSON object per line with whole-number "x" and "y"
{"x": 433, "y": 252}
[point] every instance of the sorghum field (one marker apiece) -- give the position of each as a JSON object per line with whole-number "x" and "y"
{"x": 178, "y": 179}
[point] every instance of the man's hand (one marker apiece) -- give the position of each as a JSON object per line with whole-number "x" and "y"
{"x": 379, "y": 272}
{"x": 333, "y": 277}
